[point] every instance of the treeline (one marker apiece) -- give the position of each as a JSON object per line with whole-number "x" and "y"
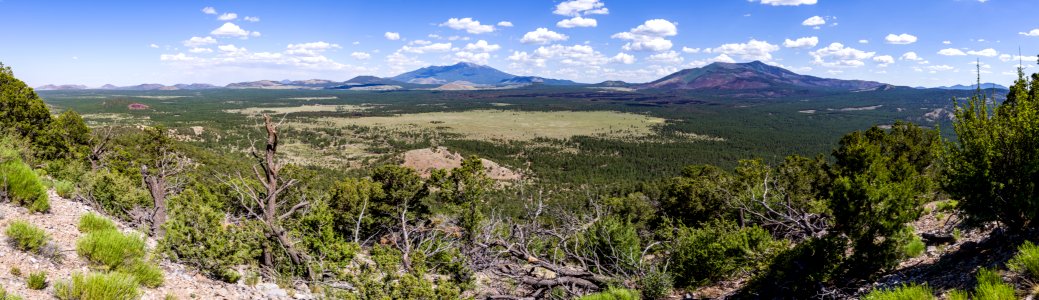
{"x": 799, "y": 228}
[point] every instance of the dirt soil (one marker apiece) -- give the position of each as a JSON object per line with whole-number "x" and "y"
{"x": 426, "y": 160}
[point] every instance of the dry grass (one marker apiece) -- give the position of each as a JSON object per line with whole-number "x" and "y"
{"x": 514, "y": 125}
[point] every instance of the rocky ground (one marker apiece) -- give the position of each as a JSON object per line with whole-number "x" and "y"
{"x": 182, "y": 282}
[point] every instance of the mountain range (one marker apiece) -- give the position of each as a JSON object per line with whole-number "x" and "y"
{"x": 753, "y": 78}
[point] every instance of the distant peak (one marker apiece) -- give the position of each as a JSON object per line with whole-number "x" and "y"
{"x": 467, "y": 64}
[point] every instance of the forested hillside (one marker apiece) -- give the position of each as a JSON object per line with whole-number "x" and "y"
{"x": 872, "y": 219}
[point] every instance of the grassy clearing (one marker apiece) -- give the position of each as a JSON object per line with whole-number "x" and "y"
{"x": 515, "y": 125}
{"x": 296, "y": 109}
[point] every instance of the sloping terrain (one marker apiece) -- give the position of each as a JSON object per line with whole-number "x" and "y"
{"x": 751, "y": 76}
{"x": 426, "y": 160}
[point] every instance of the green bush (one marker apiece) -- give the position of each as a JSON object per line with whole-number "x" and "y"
{"x": 92, "y": 222}
{"x": 64, "y": 188}
{"x": 613, "y": 294}
{"x": 1026, "y": 261}
{"x": 656, "y": 284}
{"x": 991, "y": 286}
{"x": 111, "y": 248}
{"x": 27, "y": 237}
{"x": 957, "y": 295}
{"x": 196, "y": 235}
{"x": 37, "y": 280}
{"x": 4, "y": 295}
{"x": 719, "y": 250}
{"x": 20, "y": 183}
{"x": 97, "y": 286}
{"x": 914, "y": 247}
{"x": 905, "y": 292}
{"x": 146, "y": 274}
{"x": 115, "y": 193}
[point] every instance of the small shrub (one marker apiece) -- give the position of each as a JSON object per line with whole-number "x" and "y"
{"x": 1026, "y": 261}
{"x": 64, "y": 188}
{"x": 37, "y": 280}
{"x": 91, "y": 222}
{"x": 16, "y": 272}
{"x": 719, "y": 250}
{"x": 947, "y": 205}
{"x": 957, "y": 295}
{"x": 21, "y": 184}
{"x": 252, "y": 279}
{"x": 147, "y": 274}
{"x": 914, "y": 247}
{"x": 905, "y": 292}
{"x": 613, "y": 294}
{"x": 115, "y": 193}
{"x": 97, "y": 286}
{"x": 111, "y": 248}
{"x": 27, "y": 237}
{"x": 991, "y": 286}
{"x": 4, "y": 295}
{"x": 656, "y": 284}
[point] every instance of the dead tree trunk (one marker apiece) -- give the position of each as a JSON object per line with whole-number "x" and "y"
{"x": 156, "y": 185}
{"x": 99, "y": 147}
{"x": 160, "y": 180}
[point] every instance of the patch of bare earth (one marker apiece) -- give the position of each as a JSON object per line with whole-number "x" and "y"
{"x": 426, "y": 160}
{"x": 61, "y": 224}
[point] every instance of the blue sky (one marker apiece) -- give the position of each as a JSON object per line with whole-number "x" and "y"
{"x": 916, "y": 43}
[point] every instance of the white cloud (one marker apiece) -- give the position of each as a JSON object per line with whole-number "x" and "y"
{"x": 1033, "y": 32}
{"x": 466, "y": 56}
{"x": 911, "y": 56}
{"x": 153, "y": 46}
{"x": 951, "y": 52}
{"x": 986, "y": 52}
{"x": 837, "y": 55}
{"x": 310, "y": 49}
{"x": 691, "y": 50}
{"x": 393, "y": 36}
{"x": 252, "y": 19}
{"x": 231, "y": 49}
{"x": 863, "y": 41}
{"x": 575, "y": 8}
{"x": 623, "y": 58}
{"x": 805, "y": 42}
{"x": 543, "y": 36}
{"x": 576, "y": 55}
{"x": 505, "y": 24}
{"x": 946, "y": 42}
{"x": 200, "y": 50}
{"x": 1017, "y": 58}
{"x": 814, "y": 21}
{"x": 577, "y": 21}
{"x": 649, "y": 36}
{"x": 670, "y": 57}
{"x": 481, "y": 46}
{"x": 361, "y": 55}
{"x": 209, "y": 10}
{"x": 176, "y": 57}
{"x": 900, "y": 39}
{"x": 884, "y": 60}
{"x": 720, "y": 58}
{"x": 199, "y": 41}
{"x": 468, "y": 24}
{"x": 420, "y": 42}
{"x": 527, "y": 59}
{"x": 231, "y": 30}
{"x": 940, "y": 68}
{"x": 751, "y": 50}
{"x": 786, "y": 2}
{"x": 227, "y": 17}
{"x": 437, "y": 47}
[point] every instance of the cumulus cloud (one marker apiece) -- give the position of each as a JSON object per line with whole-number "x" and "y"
{"x": 939, "y": 68}
{"x": 720, "y": 58}
{"x": 651, "y": 36}
{"x": 360, "y": 55}
{"x": 209, "y": 10}
{"x": 837, "y": 55}
{"x": 863, "y": 41}
{"x": 575, "y": 8}
{"x": 751, "y": 50}
{"x": 691, "y": 50}
{"x": 911, "y": 56}
{"x": 805, "y": 42}
{"x": 946, "y": 42}
{"x": 482, "y": 46}
{"x": 884, "y": 60}
{"x": 436, "y": 47}
{"x": 543, "y": 36}
{"x": 231, "y": 30}
{"x": 301, "y": 56}
{"x": 670, "y": 57}
{"x": 393, "y": 36}
{"x": 951, "y": 52}
{"x": 1018, "y": 58}
{"x": 576, "y": 56}
{"x": 199, "y": 41}
{"x": 900, "y": 39}
{"x": 467, "y": 24}
{"x": 153, "y": 46}
{"x": 227, "y": 17}
{"x": 786, "y": 2}
{"x": 251, "y": 19}
{"x": 814, "y": 21}
{"x": 623, "y": 58}
{"x": 577, "y": 21}
{"x": 310, "y": 49}
{"x": 505, "y": 24}
{"x": 466, "y": 56}
{"x": 986, "y": 52}
{"x": 176, "y": 57}
{"x": 1033, "y": 32}
{"x": 200, "y": 50}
